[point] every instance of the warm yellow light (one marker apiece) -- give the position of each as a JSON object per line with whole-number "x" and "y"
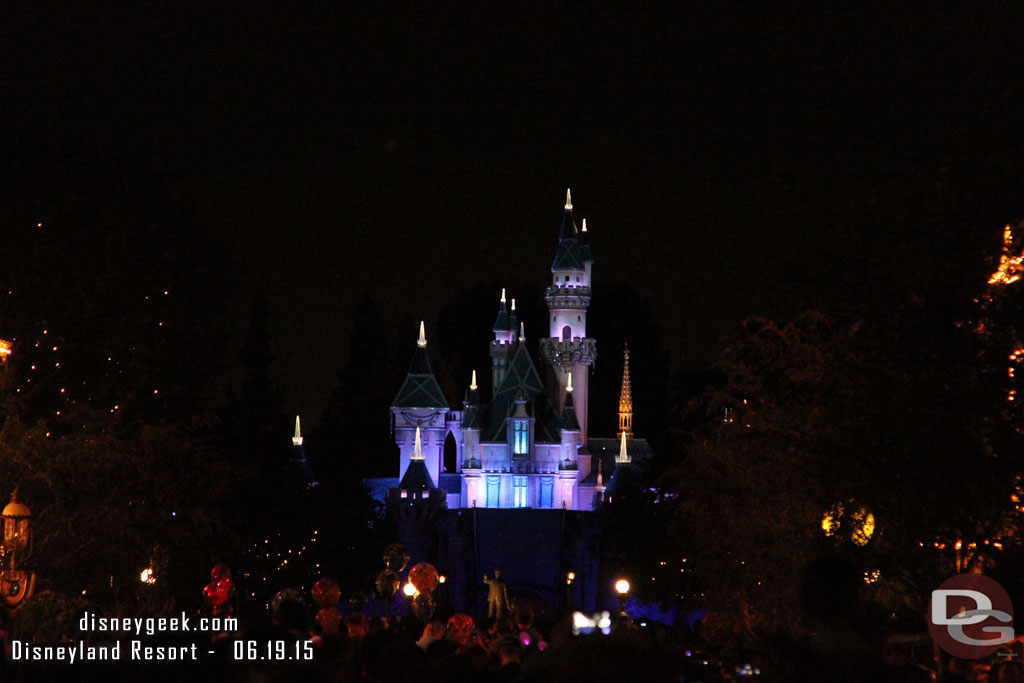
{"x": 148, "y": 576}
{"x": 409, "y": 590}
{"x": 864, "y": 526}
{"x": 1010, "y": 267}
{"x": 441, "y": 578}
{"x": 622, "y": 586}
{"x": 860, "y": 522}
{"x": 5, "y": 349}
{"x": 571, "y": 576}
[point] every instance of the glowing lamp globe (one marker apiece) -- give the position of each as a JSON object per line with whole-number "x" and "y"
{"x": 622, "y": 586}
{"x": 409, "y": 590}
{"x": 17, "y": 521}
{"x": 852, "y": 521}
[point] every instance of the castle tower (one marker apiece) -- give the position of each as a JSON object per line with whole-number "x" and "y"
{"x": 503, "y": 344}
{"x": 420, "y": 406}
{"x": 570, "y": 444}
{"x": 626, "y": 400}
{"x": 568, "y": 350}
{"x": 472, "y": 457}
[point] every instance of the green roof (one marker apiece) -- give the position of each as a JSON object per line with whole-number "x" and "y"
{"x": 416, "y": 478}
{"x": 521, "y": 377}
{"x": 471, "y": 417}
{"x": 420, "y": 391}
{"x": 567, "y": 257}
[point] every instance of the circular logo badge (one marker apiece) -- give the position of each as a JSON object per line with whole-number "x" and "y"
{"x": 970, "y": 616}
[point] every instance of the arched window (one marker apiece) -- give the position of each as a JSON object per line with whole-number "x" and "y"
{"x": 450, "y": 453}
{"x": 567, "y": 333}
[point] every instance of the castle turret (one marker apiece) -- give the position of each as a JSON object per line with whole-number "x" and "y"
{"x": 420, "y": 405}
{"x": 298, "y": 461}
{"x": 568, "y": 350}
{"x": 502, "y": 346}
{"x": 417, "y": 486}
{"x": 471, "y": 426}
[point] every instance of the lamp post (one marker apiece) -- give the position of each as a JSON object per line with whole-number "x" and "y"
{"x": 15, "y": 584}
{"x": 622, "y": 588}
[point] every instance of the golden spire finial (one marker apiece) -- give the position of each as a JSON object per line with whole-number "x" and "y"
{"x": 417, "y": 449}
{"x": 626, "y": 399}
{"x": 623, "y": 457}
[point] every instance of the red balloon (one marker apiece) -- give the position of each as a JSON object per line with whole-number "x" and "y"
{"x": 219, "y": 572}
{"x": 460, "y": 627}
{"x": 219, "y": 592}
{"x": 424, "y": 577}
{"x": 326, "y": 592}
{"x": 330, "y": 620}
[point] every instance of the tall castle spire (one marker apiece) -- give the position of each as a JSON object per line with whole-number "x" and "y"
{"x": 626, "y": 399}
{"x": 567, "y": 349}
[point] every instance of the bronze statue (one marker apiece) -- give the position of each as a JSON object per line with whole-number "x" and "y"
{"x": 497, "y": 596}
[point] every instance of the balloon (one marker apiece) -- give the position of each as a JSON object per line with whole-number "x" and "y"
{"x": 326, "y": 592}
{"x": 213, "y": 596}
{"x": 286, "y": 595}
{"x": 460, "y": 627}
{"x": 395, "y": 557}
{"x": 423, "y": 606}
{"x": 357, "y": 603}
{"x": 219, "y": 572}
{"x": 329, "y": 619}
{"x": 424, "y": 577}
{"x": 387, "y": 583}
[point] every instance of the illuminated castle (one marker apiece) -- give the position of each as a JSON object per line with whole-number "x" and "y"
{"x": 527, "y": 445}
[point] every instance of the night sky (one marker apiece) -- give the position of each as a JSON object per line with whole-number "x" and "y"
{"x": 730, "y": 161}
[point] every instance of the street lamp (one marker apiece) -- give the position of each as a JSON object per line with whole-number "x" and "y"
{"x": 16, "y": 585}
{"x": 622, "y": 588}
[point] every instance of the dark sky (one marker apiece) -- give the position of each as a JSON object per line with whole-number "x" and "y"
{"x": 730, "y": 161}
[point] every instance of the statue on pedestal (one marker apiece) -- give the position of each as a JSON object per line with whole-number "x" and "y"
{"x": 497, "y": 596}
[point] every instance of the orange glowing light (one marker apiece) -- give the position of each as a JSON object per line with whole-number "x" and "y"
{"x": 1010, "y": 267}
{"x": 5, "y": 349}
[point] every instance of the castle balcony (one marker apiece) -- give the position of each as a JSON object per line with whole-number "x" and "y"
{"x": 521, "y": 468}
{"x": 560, "y": 296}
{"x": 566, "y": 353}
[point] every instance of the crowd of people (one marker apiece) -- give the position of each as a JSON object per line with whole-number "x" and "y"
{"x": 507, "y": 648}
